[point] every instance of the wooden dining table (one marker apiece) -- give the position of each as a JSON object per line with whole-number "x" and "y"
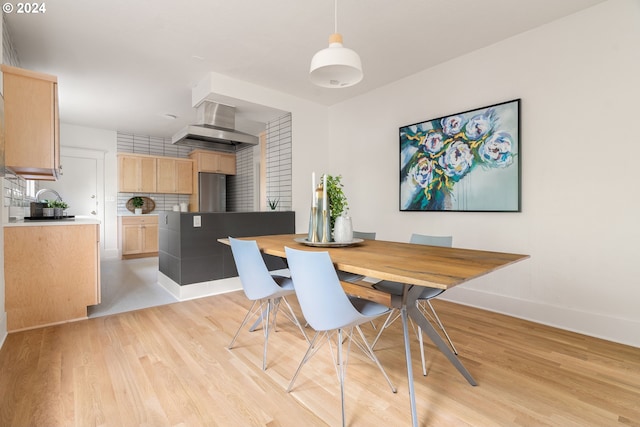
{"x": 416, "y": 266}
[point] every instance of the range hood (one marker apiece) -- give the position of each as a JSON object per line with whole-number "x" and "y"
{"x": 215, "y": 130}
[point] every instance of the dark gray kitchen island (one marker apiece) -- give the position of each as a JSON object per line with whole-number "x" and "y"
{"x": 189, "y": 251}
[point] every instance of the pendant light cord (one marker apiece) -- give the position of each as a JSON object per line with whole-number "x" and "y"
{"x": 335, "y": 17}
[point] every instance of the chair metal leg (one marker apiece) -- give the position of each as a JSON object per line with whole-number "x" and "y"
{"x": 341, "y": 361}
{"x": 257, "y": 323}
{"x": 342, "y": 368}
{"x": 388, "y": 321}
{"x": 310, "y": 352}
{"x": 265, "y": 329}
{"x": 369, "y": 352}
{"x": 266, "y": 308}
{"x": 267, "y": 315}
{"x": 262, "y": 315}
{"x": 244, "y": 321}
{"x": 421, "y": 341}
{"x": 435, "y": 315}
{"x": 292, "y": 316}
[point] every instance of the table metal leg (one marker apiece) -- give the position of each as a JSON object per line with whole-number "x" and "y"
{"x": 419, "y": 318}
{"x": 407, "y": 351}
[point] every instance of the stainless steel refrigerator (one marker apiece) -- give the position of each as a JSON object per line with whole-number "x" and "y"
{"x": 212, "y": 192}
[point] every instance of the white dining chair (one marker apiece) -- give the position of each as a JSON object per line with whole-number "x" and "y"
{"x": 329, "y": 310}
{"x": 352, "y": 277}
{"x": 423, "y": 301}
{"x": 265, "y": 290}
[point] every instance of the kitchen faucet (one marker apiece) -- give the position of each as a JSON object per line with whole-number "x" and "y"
{"x": 47, "y": 190}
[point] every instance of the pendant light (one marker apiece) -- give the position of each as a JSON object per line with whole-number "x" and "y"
{"x": 335, "y": 66}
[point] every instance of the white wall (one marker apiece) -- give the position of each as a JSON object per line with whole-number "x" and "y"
{"x": 578, "y": 80}
{"x": 73, "y": 136}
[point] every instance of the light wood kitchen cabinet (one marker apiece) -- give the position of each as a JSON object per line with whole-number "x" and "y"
{"x": 52, "y": 273}
{"x": 138, "y": 236}
{"x": 214, "y": 162}
{"x": 174, "y": 175}
{"x": 136, "y": 174}
{"x": 32, "y": 124}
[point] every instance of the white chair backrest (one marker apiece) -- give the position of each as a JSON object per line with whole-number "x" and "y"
{"x": 256, "y": 280}
{"x": 371, "y": 235}
{"x": 422, "y": 239}
{"x": 322, "y": 300}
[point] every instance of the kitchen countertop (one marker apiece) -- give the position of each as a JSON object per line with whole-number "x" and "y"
{"x": 132, "y": 214}
{"x": 78, "y": 220}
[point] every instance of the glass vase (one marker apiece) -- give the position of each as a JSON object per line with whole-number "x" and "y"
{"x": 343, "y": 229}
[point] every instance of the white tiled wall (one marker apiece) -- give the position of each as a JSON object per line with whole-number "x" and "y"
{"x": 17, "y": 195}
{"x": 142, "y": 144}
{"x": 279, "y": 162}
{"x": 241, "y": 188}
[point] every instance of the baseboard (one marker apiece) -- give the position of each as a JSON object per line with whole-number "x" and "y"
{"x": 205, "y": 289}
{"x": 3, "y": 328}
{"x": 199, "y": 290}
{"x": 109, "y": 253}
{"x": 623, "y": 331}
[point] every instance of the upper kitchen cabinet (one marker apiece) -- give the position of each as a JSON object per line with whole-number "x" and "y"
{"x": 32, "y": 130}
{"x": 214, "y": 162}
{"x": 174, "y": 175}
{"x": 136, "y": 173}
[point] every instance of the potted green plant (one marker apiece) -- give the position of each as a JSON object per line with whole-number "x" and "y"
{"x": 49, "y": 210}
{"x": 273, "y": 204}
{"x": 59, "y": 207}
{"x": 138, "y": 203}
{"x": 337, "y": 200}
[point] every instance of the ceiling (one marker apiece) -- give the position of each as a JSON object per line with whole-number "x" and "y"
{"x": 125, "y": 64}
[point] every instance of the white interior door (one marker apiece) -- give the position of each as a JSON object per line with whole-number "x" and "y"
{"x": 82, "y": 183}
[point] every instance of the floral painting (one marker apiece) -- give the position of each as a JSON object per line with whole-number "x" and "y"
{"x": 468, "y": 161}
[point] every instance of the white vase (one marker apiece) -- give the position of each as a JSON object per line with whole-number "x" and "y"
{"x": 343, "y": 229}
{"x": 137, "y": 211}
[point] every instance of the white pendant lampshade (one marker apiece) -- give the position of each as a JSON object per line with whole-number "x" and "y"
{"x": 336, "y": 66}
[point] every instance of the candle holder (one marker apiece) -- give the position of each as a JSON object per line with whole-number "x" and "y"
{"x": 326, "y": 235}
{"x": 313, "y": 225}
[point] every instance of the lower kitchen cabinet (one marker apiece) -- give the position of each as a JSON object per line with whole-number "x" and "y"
{"x": 52, "y": 273}
{"x": 138, "y": 236}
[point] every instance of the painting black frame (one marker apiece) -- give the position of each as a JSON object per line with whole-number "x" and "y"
{"x": 464, "y": 162}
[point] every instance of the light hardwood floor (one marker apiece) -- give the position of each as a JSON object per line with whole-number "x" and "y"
{"x": 169, "y": 366}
